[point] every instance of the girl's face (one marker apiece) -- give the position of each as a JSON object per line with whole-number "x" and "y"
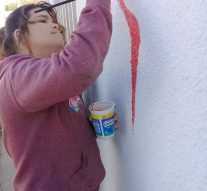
{"x": 44, "y": 36}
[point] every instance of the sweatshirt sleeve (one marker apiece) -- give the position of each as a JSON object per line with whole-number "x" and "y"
{"x": 39, "y": 83}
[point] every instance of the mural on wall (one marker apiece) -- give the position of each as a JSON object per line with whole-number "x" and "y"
{"x": 135, "y": 44}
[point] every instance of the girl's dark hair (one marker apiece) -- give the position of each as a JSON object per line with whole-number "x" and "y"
{"x": 18, "y": 19}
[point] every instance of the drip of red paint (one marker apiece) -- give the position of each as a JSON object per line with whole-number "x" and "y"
{"x": 135, "y": 44}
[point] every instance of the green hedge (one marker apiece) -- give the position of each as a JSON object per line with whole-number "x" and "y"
{"x": 10, "y": 6}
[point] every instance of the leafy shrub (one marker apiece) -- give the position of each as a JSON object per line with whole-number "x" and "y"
{"x": 10, "y": 6}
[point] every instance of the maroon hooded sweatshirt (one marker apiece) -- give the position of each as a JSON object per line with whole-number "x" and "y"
{"x": 54, "y": 148}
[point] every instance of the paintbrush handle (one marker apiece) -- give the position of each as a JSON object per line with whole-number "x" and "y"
{"x": 55, "y": 5}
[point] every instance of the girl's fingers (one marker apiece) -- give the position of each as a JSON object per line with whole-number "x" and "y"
{"x": 116, "y": 121}
{"x": 116, "y": 125}
{"x": 116, "y": 116}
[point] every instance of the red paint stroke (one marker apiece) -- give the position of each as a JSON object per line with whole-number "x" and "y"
{"x": 135, "y": 44}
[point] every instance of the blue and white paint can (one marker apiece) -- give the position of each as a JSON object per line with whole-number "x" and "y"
{"x": 103, "y": 118}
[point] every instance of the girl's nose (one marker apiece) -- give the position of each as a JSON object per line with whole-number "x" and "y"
{"x": 55, "y": 26}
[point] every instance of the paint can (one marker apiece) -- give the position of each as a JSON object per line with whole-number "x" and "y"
{"x": 103, "y": 118}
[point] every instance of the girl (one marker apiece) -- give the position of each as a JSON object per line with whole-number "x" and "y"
{"x": 45, "y": 129}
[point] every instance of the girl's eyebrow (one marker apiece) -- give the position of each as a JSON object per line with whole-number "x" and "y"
{"x": 45, "y": 16}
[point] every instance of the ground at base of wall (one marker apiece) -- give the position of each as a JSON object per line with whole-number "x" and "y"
{"x": 6, "y": 169}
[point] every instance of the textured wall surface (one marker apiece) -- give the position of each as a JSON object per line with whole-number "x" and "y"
{"x": 168, "y": 148}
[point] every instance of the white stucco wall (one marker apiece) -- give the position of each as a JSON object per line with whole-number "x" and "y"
{"x": 168, "y": 148}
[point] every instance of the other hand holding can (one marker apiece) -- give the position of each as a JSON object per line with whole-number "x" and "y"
{"x": 103, "y": 118}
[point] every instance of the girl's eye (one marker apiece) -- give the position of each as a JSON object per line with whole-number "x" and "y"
{"x": 42, "y": 21}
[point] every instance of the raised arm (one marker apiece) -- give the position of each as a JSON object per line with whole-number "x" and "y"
{"x": 39, "y": 83}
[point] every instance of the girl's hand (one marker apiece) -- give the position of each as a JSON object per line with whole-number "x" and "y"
{"x": 116, "y": 121}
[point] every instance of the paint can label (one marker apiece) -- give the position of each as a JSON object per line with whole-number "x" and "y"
{"x": 104, "y": 125}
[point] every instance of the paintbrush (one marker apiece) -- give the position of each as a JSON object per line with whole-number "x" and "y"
{"x": 55, "y": 5}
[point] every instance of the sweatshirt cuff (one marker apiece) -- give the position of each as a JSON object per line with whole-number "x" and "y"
{"x": 106, "y": 3}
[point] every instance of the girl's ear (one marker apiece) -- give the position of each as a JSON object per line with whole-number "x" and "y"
{"x": 21, "y": 43}
{"x": 17, "y": 36}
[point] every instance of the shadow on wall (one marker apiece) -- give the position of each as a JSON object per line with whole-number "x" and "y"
{"x": 6, "y": 169}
